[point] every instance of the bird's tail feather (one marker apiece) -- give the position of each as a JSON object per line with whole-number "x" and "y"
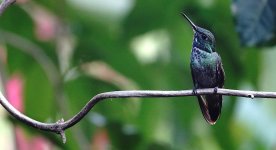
{"x": 210, "y": 106}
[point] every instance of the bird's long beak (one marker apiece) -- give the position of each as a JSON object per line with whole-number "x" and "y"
{"x": 191, "y": 23}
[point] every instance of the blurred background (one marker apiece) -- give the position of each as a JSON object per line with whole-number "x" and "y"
{"x": 56, "y": 55}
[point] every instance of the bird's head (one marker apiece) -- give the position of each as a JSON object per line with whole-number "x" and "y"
{"x": 203, "y": 39}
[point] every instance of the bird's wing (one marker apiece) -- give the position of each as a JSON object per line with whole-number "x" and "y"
{"x": 220, "y": 74}
{"x": 193, "y": 77}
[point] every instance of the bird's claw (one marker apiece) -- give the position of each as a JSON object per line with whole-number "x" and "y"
{"x": 194, "y": 91}
{"x": 216, "y": 90}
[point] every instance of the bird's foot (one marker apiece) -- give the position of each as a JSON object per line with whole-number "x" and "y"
{"x": 194, "y": 91}
{"x": 216, "y": 90}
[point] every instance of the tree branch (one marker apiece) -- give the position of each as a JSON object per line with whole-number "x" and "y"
{"x": 5, "y": 4}
{"x": 60, "y": 126}
{"x": 50, "y": 70}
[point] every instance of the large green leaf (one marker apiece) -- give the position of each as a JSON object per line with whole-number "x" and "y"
{"x": 255, "y": 20}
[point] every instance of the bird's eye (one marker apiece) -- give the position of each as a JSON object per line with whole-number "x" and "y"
{"x": 204, "y": 37}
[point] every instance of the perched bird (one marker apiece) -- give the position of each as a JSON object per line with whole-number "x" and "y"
{"x": 207, "y": 71}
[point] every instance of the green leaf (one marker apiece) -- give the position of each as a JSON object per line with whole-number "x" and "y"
{"x": 255, "y": 21}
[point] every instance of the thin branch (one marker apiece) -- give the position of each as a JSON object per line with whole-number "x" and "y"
{"x": 60, "y": 126}
{"x": 51, "y": 71}
{"x": 5, "y": 4}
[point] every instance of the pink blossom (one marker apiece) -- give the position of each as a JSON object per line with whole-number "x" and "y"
{"x": 100, "y": 140}
{"x": 14, "y": 91}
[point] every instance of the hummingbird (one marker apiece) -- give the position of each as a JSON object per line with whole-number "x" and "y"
{"x": 207, "y": 71}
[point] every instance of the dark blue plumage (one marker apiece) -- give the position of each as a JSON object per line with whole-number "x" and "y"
{"x": 207, "y": 71}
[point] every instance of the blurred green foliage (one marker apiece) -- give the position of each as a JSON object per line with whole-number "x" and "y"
{"x": 83, "y": 34}
{"x": 255, "y": 27}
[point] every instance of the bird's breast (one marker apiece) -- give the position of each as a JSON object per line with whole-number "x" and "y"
{"x": 203, "y": 65}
